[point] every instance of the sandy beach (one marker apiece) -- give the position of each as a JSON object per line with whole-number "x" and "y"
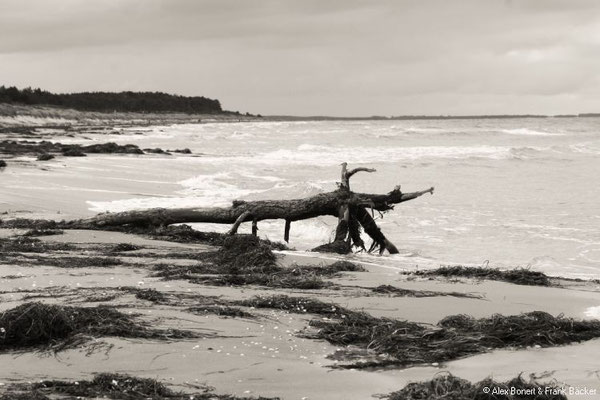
{"x": 268, "y": 352}
{"x": 265, "y": 355}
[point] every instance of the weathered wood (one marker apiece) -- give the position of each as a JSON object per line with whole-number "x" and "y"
{"x": 286, "y": 233}
{"x": 243, "y": 216}
{"x": 371, "y": 229}
{"x": 346, "y": 175}
{"x": 348, "y": 206}
{"x": 292, "y": 210}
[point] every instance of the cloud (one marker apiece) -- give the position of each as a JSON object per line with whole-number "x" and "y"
{"x": 348, "y": 57}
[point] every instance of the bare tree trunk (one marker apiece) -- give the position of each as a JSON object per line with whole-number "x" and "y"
{"x": 348, "y": 206}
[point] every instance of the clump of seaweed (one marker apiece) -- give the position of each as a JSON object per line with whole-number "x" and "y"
{"x": 123, "y": 247}
{"x": 400, "y": 292}
{"x": 80, "y": 262}
{"x": 152, "y": 295}
{"x": 220, "y": 310}
{"x": 280, "y": 279}
{"x": 299, "y": 305}
{"x": 24, "y": 223}
{"x": 330, "y": 270}
{"x": 449, "y": 387}
{"x": 45, "y": 157}
{"x": 456, "y": 336}
{"x": 529, "y": 329}
{"x": 245, "y": 260}
{"x": 519, "y": 276}
{"x": 111, "y": 386}
{"x": 396, "y": 342}
{"x": 42, "y": 232}
{"x": 24, "y": 244}
{"x": 30, "y": 395}
{"x": 35, "y": 324}
{"x": 246, "y": 254}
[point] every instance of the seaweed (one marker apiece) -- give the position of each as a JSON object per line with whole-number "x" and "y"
{"x": 39, "y": 325}
{"x": 519, "y": 276}
{"x": 123, "y": 247}
{"x": 405, "y": 343}
{"x": 330, "y": 270}
{"x": 449, "y": 387}
{"x": 244, "y": 260}
{"x": 220, "y": 310}
{"x": 298, "y": 305}
{"x": 25, "y": 223}
{"x": 281, "y": 279}
{"x": 152, "y": 295}
{"x": 111, "y": 386}
{"x": 42, "y": 232}
{"x": 24, "y": 244}
{"x": 79, "y": 262}
{"x": 400, "y": 292}
{"x": 44, "y": 157}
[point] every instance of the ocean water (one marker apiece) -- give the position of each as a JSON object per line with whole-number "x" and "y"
{"x": 514, "y": 192}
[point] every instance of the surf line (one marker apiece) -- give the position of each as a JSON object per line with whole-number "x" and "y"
{"x": 329, "y": 258}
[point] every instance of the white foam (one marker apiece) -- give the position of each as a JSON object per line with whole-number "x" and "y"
{"x": 332, "y": 155}
{"x": 529, "y": 132}
{"x": 586, "y": 148}
{"x": 592, "y": 312}
{"x": 149, "y": 202}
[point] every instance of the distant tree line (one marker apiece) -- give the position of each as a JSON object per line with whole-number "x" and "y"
{"x": 109, "y": 101}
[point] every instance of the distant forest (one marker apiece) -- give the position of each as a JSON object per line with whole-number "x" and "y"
{"x": 110, "y": 102}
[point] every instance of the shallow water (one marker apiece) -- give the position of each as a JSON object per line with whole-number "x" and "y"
{"x": 518, "y": 192}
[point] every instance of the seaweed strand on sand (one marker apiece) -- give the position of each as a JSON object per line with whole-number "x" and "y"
{"x": 519, "y": 276}
{"x": 111, "y": 386}
{"x": 246, "y": 260}
{"x": 405, "y": 343}
{"x": 449, "y": 387}
{"x": 55, "y": 327}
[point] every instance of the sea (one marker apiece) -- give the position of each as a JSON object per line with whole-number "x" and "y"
{"x": 519, "y": 192}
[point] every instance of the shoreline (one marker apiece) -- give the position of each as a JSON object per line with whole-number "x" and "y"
{"x": 60, "y": 117}
{"x": 272, "y": 353}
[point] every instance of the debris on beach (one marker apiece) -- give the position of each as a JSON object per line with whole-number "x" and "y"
{"x": 26, "y": 244}
{"x": 405, "y": 343}
{"x": 519, "y": 276}
{"x": 449, "y": 387}
{"x": 245, "y": 260}
{"x": 42, "y": 232}
{"x": 55, "y": 327}
{"x": 111, "y": 386}
{"x": 400, "y": 292}
{"x": 45, "y": 157}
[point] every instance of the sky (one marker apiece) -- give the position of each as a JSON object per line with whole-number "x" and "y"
{"x": 315, "y": 57}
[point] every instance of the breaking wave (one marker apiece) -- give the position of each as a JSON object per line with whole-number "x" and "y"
{"x": 529, "y": 132}
{"x": 330, "y": 155}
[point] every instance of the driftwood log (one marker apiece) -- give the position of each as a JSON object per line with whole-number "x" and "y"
{"x": 350, "y": 208}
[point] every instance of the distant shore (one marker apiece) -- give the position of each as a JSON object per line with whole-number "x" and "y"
{"x": 37, "y": 115}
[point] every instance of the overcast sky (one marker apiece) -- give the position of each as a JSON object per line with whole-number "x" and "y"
{"x": 315, "y": 57}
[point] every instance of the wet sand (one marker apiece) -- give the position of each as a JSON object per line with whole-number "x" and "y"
{"x": 267, "y": 356}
